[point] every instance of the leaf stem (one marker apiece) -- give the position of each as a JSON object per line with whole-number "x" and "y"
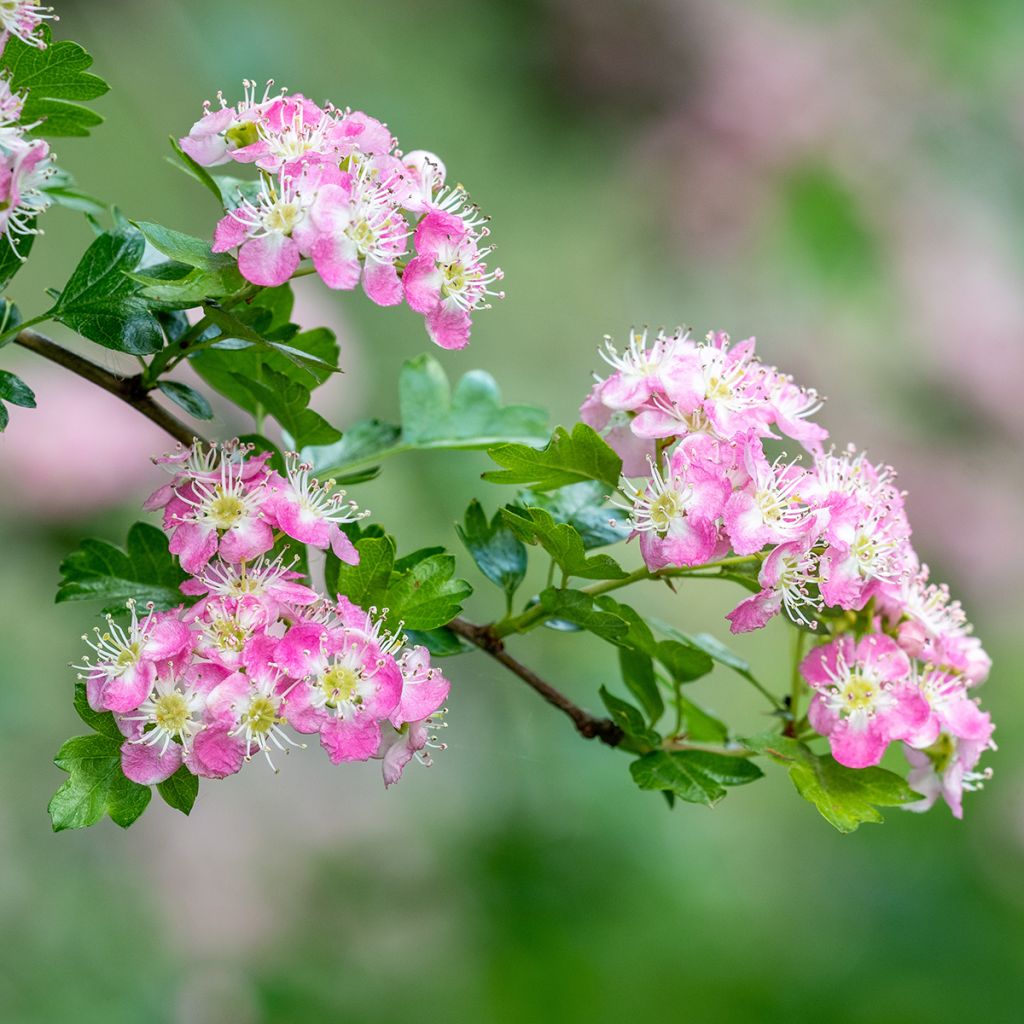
{"x": 795, "y": 682}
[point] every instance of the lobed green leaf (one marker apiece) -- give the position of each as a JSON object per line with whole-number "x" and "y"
{"x": 566, "y": 459}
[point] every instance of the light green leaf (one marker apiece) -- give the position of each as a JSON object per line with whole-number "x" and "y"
{"x": 96, "y": 785}
{"x": 364, "y": 584}
{"x": 56, "y": 81}
{"x": 426, "y": 596}
{"x": 188, "y": 398}
{"x": 583, "y": 507}
{"x": 567, "y": 459}
{"x": 576, "y": 607}
{"x": 845, "y": 797}
{"x": 637, "y": 671}
{"x": 562, "y": 542}
{"x": 182, "y": 248}
{"x": 629, "y": 719}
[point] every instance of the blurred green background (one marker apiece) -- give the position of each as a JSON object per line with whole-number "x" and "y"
{"x": 843, "y": 180}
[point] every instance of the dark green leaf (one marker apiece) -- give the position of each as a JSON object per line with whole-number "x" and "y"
{"x": 576, "y": 607}
{"x": 287, "y": 402}
{"x": 360, "y": 443}
{"x": 693, "y": 775}
{"x": 629, "y": 719}
{"x": 699, "y": 724}
{"x": 683, "y": 662}
{"x": 638, "y": 674}
{"x": 95, "y": 786}
{"x": 13, "y": 256}
{"x": 14, "y": 390}
{"x": 845, "y": 797}
{"x": 184, "y": 248}
{"x": 407, "y": 562}
{"x": 56, "y": 80}
{"x": 426, "y": 596}
{"x": 566, "y": 459}
{"x": 562, "y": 542}
{"x": 442, "y": 643}
{"x": 145, "y": 571}
{"x": 188, "y": 398}
{"x": 99, "y": 721}
{"x": 498, "y": 553}
{"x": 100, "y": 302}
{"x": 583, "y": 507}
{"x": 180, "y": 790}
{"x": 364, "y": 584}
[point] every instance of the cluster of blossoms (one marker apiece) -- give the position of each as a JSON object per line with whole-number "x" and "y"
{"x": 334, "y": 188}
{"x": 259, "y": 653}
{"x": 831, "y": 537}
{"x": 25, "y": 164}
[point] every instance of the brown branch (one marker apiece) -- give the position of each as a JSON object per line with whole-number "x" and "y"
{"x": 586, "y": 724}
{"x": 128, "y": 389}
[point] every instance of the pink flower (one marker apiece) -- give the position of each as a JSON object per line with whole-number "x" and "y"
{"x": 129, "y": 658}
{"x": 348, "y": 683}
{"x": 229, "y": 133}
{"x": 788, "y": 578}
{"x": 225, "y": 625}
{"x": 864, "y": 697}
{"x": 25, "y": 168}
{"x": 310, "y": 511}
{"x": 272, "y": 583}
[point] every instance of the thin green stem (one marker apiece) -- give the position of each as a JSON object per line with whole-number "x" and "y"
{"x": 796, "y": 682}
{"x": 12, "y": 332}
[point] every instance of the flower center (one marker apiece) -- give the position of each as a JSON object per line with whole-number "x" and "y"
{"x": 225, "y": 509}
{"x": 339, "y": 684}
{"x": 283, "y": 216}
{"x": 454, "y": 277}
{"x": 665, "y": 509}
{"x": 261, "y": 716}
{"x": 242, "y": 135}
{"x": 859, "y": 694}
{"x": 718, "y": 388}
{"x": 171, "y": 713}
{"x": 228, "y": 634}
{"x": 129, "y": 656}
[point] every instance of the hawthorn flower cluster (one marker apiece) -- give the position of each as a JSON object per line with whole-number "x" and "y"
{"x": 259, "y": 655}
{"x": 691, "y": 420}
{"x": 334, "y": 188}
{"x": 25, "y": 164}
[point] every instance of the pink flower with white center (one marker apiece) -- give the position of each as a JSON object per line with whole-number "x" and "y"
{"x": 448, "y": 278}
{"x": 792, "y": 406}
{"x": 128, "y": 658}
{"x": 310, "y": 511}
{"x": 948, "y": 769}
{"x": 229, "y": 133}
{"x": 356, "y": 230}
{"x": 25, "y": 167}
{"x": 356, "y": 132}
{"x": 172, "y": 712}
{"x": 789, "y": 579}
{"x": 11, "y": 105}
{"x": 426, "y": 177}
{"x": 934, "y": 628}
{"x": 252, "y": 702}
{"x": 864, "y": 697}
{"x": 768, "y": 510}
{"x": 272, "y": 583}
{"x": 952, "y": 710}
{"x": 675, "y": 513}
{"x": 727, "y": 385}
{"x": 21, "y": 19}
{"x": 224, "y": 626}
{"x": 642, "y": 372}
{"x": 262, "y": 230}
{"x": 290, "y": 128}
{"x": 215, "y": 508}
{"x": 400, "y": 746}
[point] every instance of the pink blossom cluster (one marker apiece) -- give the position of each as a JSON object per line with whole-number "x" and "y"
{"x": 335, "y": 189}
{"x": 21, "y": 19}
{"x": 831, "y": 541}
{"x": 260, "y": 653}
{"x": 25, "y": 167}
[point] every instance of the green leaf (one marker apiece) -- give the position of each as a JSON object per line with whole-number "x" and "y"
{"x": 13, "y": 255}
{"x": 180, "y": 790}
{"x": 562, "y": 542}
{"x": 14, "y": 390}
{"x": 364, "y": 584}
{"x": 693, "y": 775}
{"x": 144, "y": 571}
{"x": 495, "y": 549}
{"x": 637, "y": 671}
{"x": 188, "y": 398}
{"x": 583, "y": 507}
{"x": 683, "y": 662}
{"x": 639, "y": 637}
{"x": 442, "y": 643}
{"x": 710, "y": 645}
{"x": 102, "y": 304}
{"x": 99, "y": 721}
{"x": 427, "y": 596}
{"x": 56, "y": 80}
{"x": 566, "y": 459}
{"x": 195, "y": 171}
{"x": 182, "y": 248}
{"x": 96, "y": 785}
{"x": 699, "y": 724}
{"x": 845, "y": 797}
{"x": 433, "y": 416}
{"x": 287, "y": 401}
{"x": 629, "y": 719}
{"x": 577, "y": 607}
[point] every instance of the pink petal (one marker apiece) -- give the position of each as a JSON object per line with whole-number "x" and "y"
{"x": 382, "y": 283}
{"x": 270, "y": 260}
{"x": 350, "y": 740}
{"x": 143, "y": 763}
